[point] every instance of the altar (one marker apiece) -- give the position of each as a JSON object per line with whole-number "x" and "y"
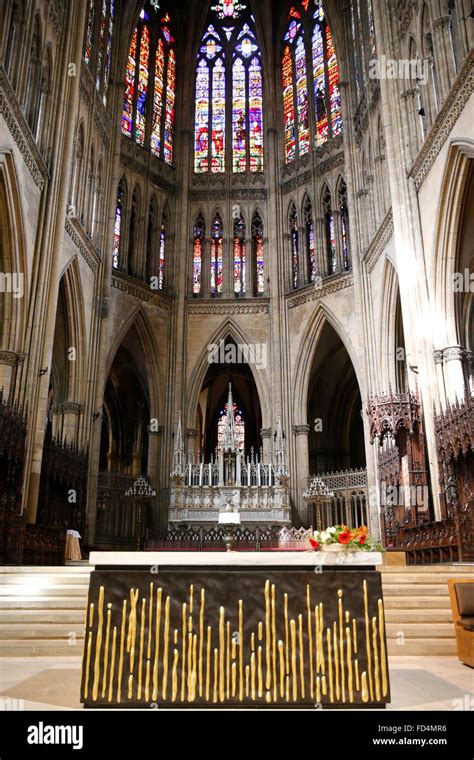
{"x": 235, "y": 630}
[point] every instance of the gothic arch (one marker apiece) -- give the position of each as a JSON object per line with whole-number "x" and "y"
{"x": 12, "y": 256}
{"x": 151, "y": 354}
{"x": 308, "y": 347}
{"x": 452, "y": 195}
{"x": 228, "y": 329}
{"x": 388, "y": 315}
{"x": 70, "y": 281}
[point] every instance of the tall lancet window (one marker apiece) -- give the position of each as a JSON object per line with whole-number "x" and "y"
{"x": 228, "y": 129}
{"x": 258, "y": 255}
{"x": 308, "y": 38}
{"x": 330, "y": 232}
{"x": 198, "y": 250}
{"x": 162, "y": 249}
{"x": 240, "y": 257}
{"x": 118, "y": 226}
{"x": 150, "y": 84}
{"x": 98, "y": 43}
{"x": 310, "y": 242}
{"x": 216, "y": 256}
{"x": 295, "y": 245}
{"x": 344, "y": 217}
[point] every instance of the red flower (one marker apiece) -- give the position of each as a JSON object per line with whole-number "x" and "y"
{"x": 314, "y": 544}
{"x": 362, "y": 539}
{"x": 344, "y": 537}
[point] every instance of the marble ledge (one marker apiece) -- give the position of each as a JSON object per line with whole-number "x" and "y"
{"x": 240, "y": 559}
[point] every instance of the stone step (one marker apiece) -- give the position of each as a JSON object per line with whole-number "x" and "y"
{"x": 435, "y": 579}
{"x": 53, "y": 615}
{"x": 466, "y": 567}
{"x": 416, "y": 616}
{"x": 26, "y": 579}
{"x": 35, "y": 630}
{"x": 416, "y": 602}
{"x": 38, "y": 591}
{"x": 45, "y": 602}
{"x": 45, "y": 570}
{"x": 407, "y": 589}
{"x": 420, "y": 630}
{"x": 422, "y": 647}
{"x": 40, "y": 648}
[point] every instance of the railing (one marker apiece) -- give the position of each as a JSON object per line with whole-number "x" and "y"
{"x": 349, "y": 505}
{"x": 214, "y": 540}
{"x": 118, "y": 519}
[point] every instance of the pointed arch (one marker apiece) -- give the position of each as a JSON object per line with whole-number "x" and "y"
{"x": 229, "y": 329}
{"x": 199, "y": 238}
{"x": 307, "y": 215}
{"x": 343, "y": 221}
{"x": 152, "y": 237}
{"x": 133, "y": 264}
{"x": 217, "y": 253}
{"x": 293, "y": 231}
{"x": 71, "y": 290}
{"x": 240, "y": 255}
{"x": 329, "y": 229}
{"x": 118, "y": 247}
{"x": 259, "y": 265}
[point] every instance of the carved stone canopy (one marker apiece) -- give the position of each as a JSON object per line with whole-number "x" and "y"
{"x": 454, "y": 428}
{"x": 391, "y": 412}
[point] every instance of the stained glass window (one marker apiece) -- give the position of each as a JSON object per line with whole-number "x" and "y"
{"x": 239, "y": 426}
{"x": 216, "y": 256}
{"x": 310, "y": 241}
{"x": 151, "y": 75}
{"x": 330, "y": 232}
{"x": 161, "y": 264}
{"x": 344, "y": 216}
{"x": 119, "y": 213}
{"x": 309, "y": 36}
{"x": 288, "y": 105}
{"x": 229, "y": 71}
{"x": 218, "y": 118}
{"x": 199, "y": 235}
{"x": 258, "y": 254}
{"x": 295, "y": 246}
{"x": 142, "y": 86}
{"x": 90, "y": 32}
{"x": 240, "y": 259}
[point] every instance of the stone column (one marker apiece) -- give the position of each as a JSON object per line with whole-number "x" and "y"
{"x": 71, "y": 415}
{"x": 339, "y": 242}
{"x": 320, "y": 247}
{"x": 266, "y": 436}
{"x": 442, "y": 49}
{"x": 300, "y": 477}
{"x": 454, "y": 372}
{"x": 438, "y": 361}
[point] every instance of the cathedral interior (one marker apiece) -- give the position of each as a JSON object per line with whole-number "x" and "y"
{"x": 235, "y": 269}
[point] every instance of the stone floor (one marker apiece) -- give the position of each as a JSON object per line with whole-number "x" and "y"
{"x": 417, "y": 683}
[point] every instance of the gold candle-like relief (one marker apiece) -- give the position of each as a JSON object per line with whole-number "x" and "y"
{"x": 234, "y": 679}
{"x": 274, "y": 646}
{"x": 147, "y": 681}
{"x": 317, "y": 639}
{"x": 142, "y": 643}
{"x": 383, "y": 653}
{"x": 159, "y": 597}
{"x": 194, "y": 666}
{"x": 268, "y": 677}
{"x": 365, "y": 692}
{"x": 287, "y": 688}
{"x": 112, "y": 663}
{"x": 260, "y": 631}
{"x": 354, "y": 634}
{"x": 350, "y": 681}
{"x": 98, "y": 646}
{"x": 324, "y": 685}
{"x": 106, "y": 649}
{"x": 253, "y": 674}
{"x": 348, "y": 617}
{"x": 208, "y": 664}
{"x": 376, "y": 659}
{"x": 331, "y": 683}
{"x": 216, "y": 673}
{"x": 367, "y": 640}
{"x": 222, "y": 654}
{"x": 310, "y": 640}
{"x": 241, "y": 650}
{"x": 88, "y": 665}
{"x": 201, "y": 640}
{"x": 294, "y": 677}
{"x": 227, "y": 664}
{"x": 91, "y": 614}
{"x": 281, "y": 654}
{"x": 336, "y": 661}
{"x": 150, "y": 620}
{"x": 301, "y": 653}
{"x": 174, "y": 676}
{"x": 268, "y": 697}
{"x": 260, "y": 672}
{"x": 121, "y": 654}
{"x": 166, "y": 648}
{"x": 321, "y": 637}
{"x": 252, "y": 642}
{"x": 356, "y": 671}
{"x": 132, "y": 627}
{"x": 183, "y": 652}
{"x": 191, "y": 599}
{"x": 234, "y": 648}
{"x": 341, "y": 645}
{"x": 318, "y": 690}
{"x": 190, "y": 665}
{"x": 287, "y": 634}
{"x": 176, "y": 637}
{"x": 247, "y": 681}
{"x": 130, "y": 686}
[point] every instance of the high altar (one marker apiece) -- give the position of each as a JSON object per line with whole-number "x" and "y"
{"x": 235, "y": 630}
{"x": 258, "y": 490}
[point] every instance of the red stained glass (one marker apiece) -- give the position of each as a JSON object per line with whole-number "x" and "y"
{"x": 127, "y": 115}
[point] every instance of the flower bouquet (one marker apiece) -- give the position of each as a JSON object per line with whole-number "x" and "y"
{"x": 340, "y": 538}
